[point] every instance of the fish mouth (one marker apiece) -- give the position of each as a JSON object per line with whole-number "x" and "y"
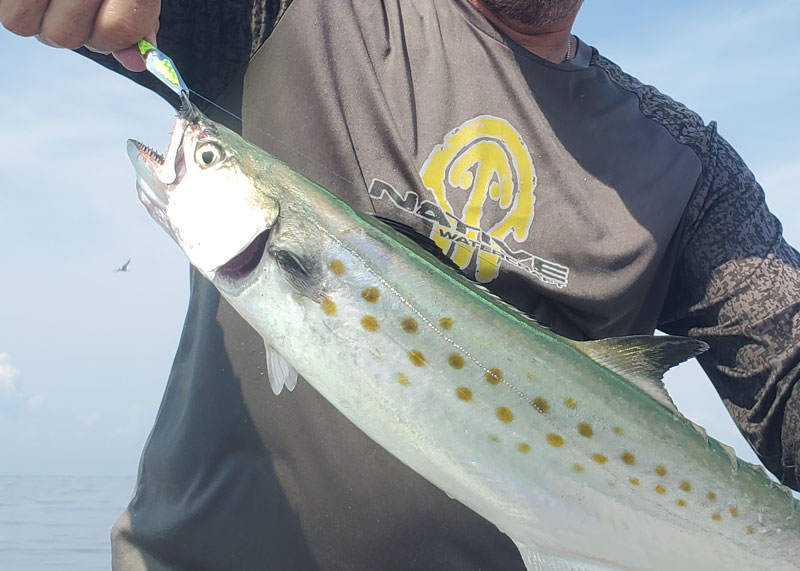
{"x": 148, "y": 154}
{"x": 242, "y": 266}
{"x": 155, "y": 178}
{"x": 157, "y": 174}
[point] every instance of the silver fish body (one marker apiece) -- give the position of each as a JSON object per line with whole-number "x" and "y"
{"x": 572, "y": 449}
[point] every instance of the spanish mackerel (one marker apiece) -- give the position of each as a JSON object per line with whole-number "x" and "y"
{"x": 573, "y": 449}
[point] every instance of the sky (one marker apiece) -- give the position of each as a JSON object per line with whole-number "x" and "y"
{"x": 85, "y": 351}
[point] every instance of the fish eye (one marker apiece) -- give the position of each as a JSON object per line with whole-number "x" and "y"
{"x": 208, "y": 154}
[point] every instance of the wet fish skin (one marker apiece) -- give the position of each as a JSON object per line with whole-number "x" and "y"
{"x": 572, "y": 449}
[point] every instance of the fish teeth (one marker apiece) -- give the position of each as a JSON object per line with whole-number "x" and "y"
{"x": 151, "y": 153}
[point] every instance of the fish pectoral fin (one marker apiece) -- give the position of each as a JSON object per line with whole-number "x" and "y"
{"x": 537, "y": 561}
{"x": 643, "y": 359}
{"x": 299, "y": 272}
{"x": 281, "y": 373}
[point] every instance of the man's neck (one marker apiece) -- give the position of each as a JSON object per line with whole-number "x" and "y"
{"x": 550, "y": 42}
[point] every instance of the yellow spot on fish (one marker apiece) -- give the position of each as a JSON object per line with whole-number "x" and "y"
{"x": 711, "y": 496}
{"x": 540, "y": 404}
{"x": 402, "y": 379}
{"x": 734, "y": 511}
{"x": 617, "y": 430}
{"x": 681, "y": 502}
{"x": 337, "y": 267}
{"x": 599, "y": 459}
{"x": 417, "y": 358}
{"x": 369, "y": 323}
{"x": 409, "y": 325}
{"x": 661, "y": 470}
{"x": 628, "y": 458}
{"x": 716, "y": 517}
{"x": 494, "y": 438}
{"x": 456, "y": 361}
{"x": 463, "y": 393}
{"x": 554, "y": 440}
{"x": 585, "y": 429}
{"x": 371, "y": 294}
{"x": 751, "y": 531}
{"x": 533, "y": 376}
{"x": 328, "y": 307}
{"x": 577, "y": 468}
{"x": 570, "y": 403}
{"x": 686, "y": 486}
{"x": 634, "y": 481}
{"x": 446, "y": 323}
{"x": 494, "y": 376}
{"x": 523, "y": 447}
{"x": 659, "y": 489}
{"x": 504, "y": 414}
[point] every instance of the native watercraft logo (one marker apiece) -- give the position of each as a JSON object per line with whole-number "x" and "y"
{"x": 483, "y": 181}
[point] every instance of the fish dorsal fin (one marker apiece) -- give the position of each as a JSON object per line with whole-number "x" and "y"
{"x": 281, "y": 373}
{"x": 643, "y": 359}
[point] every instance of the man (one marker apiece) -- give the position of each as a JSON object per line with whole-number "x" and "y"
{"x": 626, "y": 214}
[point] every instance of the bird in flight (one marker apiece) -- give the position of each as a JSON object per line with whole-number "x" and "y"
{"x": 123, "y": 267}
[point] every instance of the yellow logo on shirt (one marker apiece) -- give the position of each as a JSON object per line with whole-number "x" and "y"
{"x": 481, "y": 182}
{"x": 483, "y": 179}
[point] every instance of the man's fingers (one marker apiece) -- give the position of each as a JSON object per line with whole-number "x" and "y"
{"x": 69, "y": 23}
{"x": 23, "y": 18}
{"x": 101, "y": 25}
{"x": 121, "y": 23}
{"x": 130, "y": 59}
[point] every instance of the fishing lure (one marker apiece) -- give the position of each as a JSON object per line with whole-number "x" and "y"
{"x": 162, "y": 67}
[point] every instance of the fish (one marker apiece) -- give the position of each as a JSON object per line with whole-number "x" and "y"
{"x": 571, "y": 448}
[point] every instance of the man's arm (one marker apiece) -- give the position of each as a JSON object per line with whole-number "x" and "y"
{"x": 209, "y": 40}
{"x": 737, "y": 287}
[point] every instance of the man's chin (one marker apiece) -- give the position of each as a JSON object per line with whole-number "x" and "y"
{"x": 538, "y": 13}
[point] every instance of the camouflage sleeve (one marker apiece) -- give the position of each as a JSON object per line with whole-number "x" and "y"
{"x": 737, "y": 287}
{"x": 209, "y": 40}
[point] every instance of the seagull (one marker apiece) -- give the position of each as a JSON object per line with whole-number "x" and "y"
{"x": 123, "y": 267}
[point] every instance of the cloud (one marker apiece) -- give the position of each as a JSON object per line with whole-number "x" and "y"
{"x": 781, "y": 178}
{"x": 703, "y": 55}
{"x": 8, "y": 379}
{"x": 780, "y": 181}
{"x": 89, "y": 419}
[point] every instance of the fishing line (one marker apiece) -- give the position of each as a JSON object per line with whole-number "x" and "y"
{"x": 220, "y": 107}
{"x": 285, "y": 145}
{"x": 163, "y": 68}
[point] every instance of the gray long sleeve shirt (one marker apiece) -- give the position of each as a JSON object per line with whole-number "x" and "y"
{"x": 627, "y": 214}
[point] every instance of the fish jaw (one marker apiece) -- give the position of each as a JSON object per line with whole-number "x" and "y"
{"x": 199, "y": 195}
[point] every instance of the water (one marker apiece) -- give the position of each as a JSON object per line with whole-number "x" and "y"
{"x": 59, "y": 522}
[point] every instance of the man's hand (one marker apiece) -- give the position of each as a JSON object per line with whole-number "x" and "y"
{"x": 106, "y": 26}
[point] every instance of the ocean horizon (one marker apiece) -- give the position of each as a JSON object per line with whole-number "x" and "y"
{"x": 59, "y": 522}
